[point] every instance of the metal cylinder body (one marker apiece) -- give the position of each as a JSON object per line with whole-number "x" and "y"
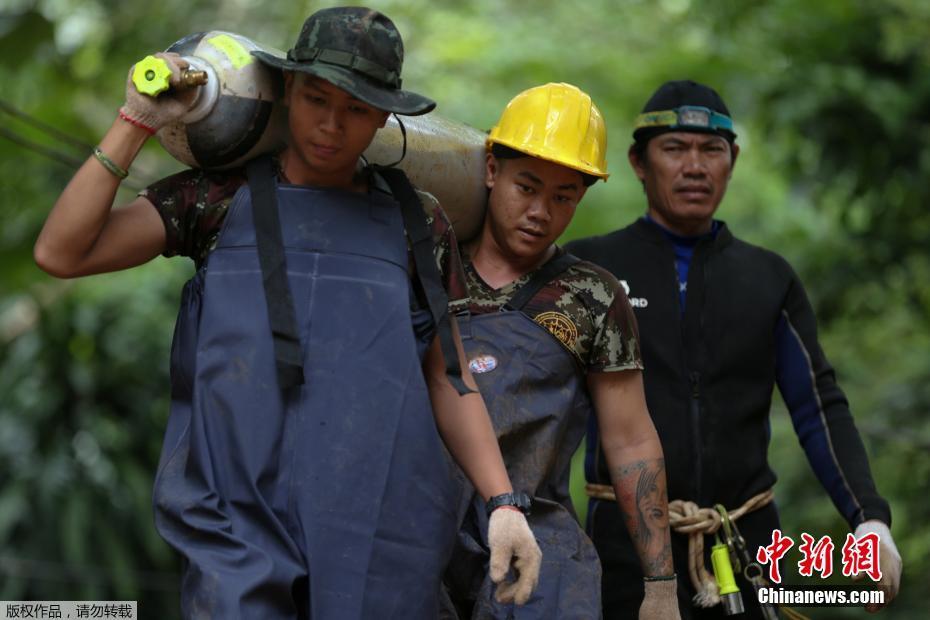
{"x": 444, "y": 158}
{"x": 237, "y": 114}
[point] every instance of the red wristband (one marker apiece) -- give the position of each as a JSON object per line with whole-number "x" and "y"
{"x": 151, "y": 130}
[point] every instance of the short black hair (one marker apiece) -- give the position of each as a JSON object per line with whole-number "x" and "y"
{"x": 505, "y": 152}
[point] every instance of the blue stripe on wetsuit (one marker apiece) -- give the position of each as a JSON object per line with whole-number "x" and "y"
{"x": 794, "y": 375}
{"x": 684, "y": 251}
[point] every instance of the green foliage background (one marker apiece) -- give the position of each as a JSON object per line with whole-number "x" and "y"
{"x": 832, "y": 104}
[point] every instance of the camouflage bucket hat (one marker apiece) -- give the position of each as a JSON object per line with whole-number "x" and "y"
{"x": 360, "y": 51}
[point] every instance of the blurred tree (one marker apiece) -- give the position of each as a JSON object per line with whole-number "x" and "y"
{"x": 830, "y": 100}
{"x": 848, "y": 118}
{"x": 85, "y": 397}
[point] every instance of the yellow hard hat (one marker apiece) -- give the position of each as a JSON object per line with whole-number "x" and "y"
{"x": 558, "y": 123}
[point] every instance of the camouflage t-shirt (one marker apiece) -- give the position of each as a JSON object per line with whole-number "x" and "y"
{"x": 584, "y": 308}
{"x": 193, "y": 204}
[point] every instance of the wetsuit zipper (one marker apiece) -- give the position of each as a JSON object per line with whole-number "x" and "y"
{"x": 695, "y": 406}
{"x": 694, "y": 401}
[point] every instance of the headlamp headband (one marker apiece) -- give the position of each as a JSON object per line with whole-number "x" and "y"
{"x": 685, "y": 117}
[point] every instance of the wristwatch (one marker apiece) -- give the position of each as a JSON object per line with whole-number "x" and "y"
{"x": 521, "y": 501}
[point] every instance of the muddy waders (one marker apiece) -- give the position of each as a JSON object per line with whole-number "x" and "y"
{"x": 537, "y": 397}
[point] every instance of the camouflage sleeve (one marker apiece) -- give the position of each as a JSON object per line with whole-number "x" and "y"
{"x": 446, "y": 250}
{"x": 616, "y": 341}
{"x": 192, "y": 205}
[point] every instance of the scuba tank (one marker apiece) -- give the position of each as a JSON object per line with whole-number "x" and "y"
{"x": 443, "y": 158}
{"x": 238, "y": 115}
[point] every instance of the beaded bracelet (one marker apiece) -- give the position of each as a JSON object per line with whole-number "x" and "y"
{"x": 109, "y": 164}
{"x": 671, "y": 577}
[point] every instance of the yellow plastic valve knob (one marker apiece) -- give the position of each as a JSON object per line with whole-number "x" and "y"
{"x": 151, "y": 76}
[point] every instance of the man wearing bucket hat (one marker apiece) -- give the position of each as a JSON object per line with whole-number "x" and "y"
{"x": 550, "y": 340}
{"x": 302, "y": 473}
{"x": 722, "y": 323}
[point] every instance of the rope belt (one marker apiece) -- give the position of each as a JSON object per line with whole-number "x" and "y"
{"x": 686, "y": 517}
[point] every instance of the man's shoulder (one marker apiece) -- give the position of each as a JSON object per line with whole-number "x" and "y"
{"x": 757, "y": 256}
{"x": 195, "y": 185}
{"x": 583, "y": 288}
{"x": 596, "y": 243}
{"x": 615, "y": 251}
{"x": 586, "y": 278}
{"x": 432, "y": 208}
{"x": 436, "y": 219}
{"x": 592, "y": 302}
{"x": 192, "y": 205}
{"x": 380, "y": 183}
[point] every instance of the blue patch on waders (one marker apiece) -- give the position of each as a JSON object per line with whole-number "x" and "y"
{"x": 335, "y": 499}
{"x": 539, "y": 405}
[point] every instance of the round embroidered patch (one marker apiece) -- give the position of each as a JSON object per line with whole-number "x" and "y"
{"x": 559, "y": 326}
{"x": 482, "y": 364}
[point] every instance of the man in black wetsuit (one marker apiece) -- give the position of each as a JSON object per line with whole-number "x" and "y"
{"x": 721, "y": 323}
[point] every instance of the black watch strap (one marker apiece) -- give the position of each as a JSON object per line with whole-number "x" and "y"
{"x": 521, "y": 501}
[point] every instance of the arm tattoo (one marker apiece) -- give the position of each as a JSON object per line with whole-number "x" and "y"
{"x": 643, "y": 500}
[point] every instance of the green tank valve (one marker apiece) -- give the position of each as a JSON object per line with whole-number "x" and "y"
{"x": 151, "y": 76}
{"x": 726, "y": 582}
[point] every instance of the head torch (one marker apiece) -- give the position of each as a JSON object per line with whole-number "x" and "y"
{"x": 687, "y": 118}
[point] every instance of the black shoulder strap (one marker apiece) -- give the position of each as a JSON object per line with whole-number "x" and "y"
{"x": 421, "y": 241}
{"x": 281, "y": 314}
{"x": 553, "y": 267}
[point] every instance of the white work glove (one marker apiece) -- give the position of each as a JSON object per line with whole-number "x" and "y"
{"x": 154, "y": 113}
{"x": 889, "y": 560}
{"x": 510, "y": 539}
{"x": 660, "y": 601}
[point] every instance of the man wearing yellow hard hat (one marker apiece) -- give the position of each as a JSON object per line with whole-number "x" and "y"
{"x": 549, "y": 338}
